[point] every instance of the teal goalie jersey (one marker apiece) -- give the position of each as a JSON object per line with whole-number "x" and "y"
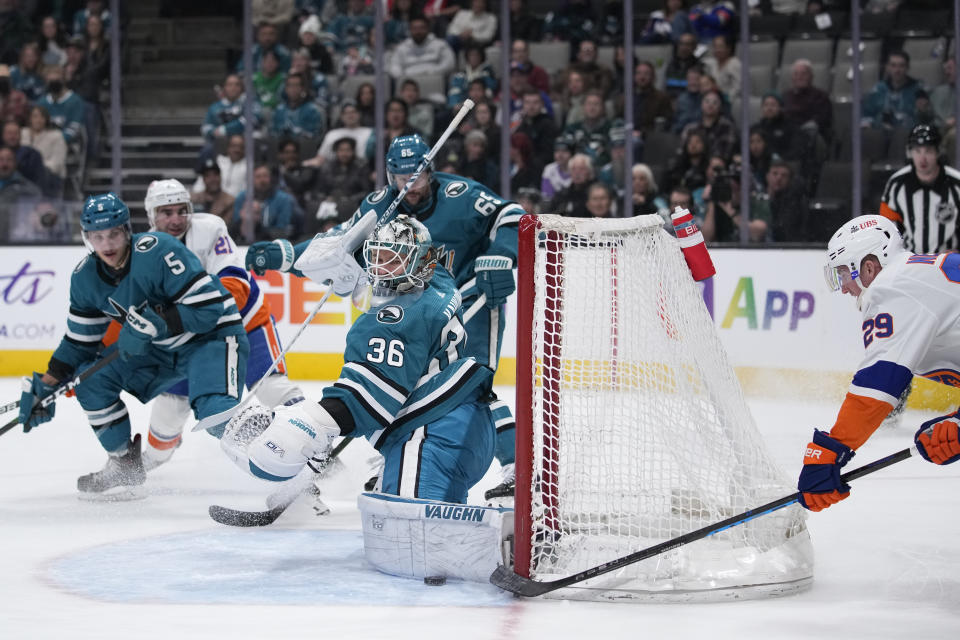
{"x": 403, "y": 366}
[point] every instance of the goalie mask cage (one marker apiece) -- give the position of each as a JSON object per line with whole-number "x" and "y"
{"x": 632, "y": 428}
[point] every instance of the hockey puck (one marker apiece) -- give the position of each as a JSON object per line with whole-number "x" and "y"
{"x": 435, "y": 581}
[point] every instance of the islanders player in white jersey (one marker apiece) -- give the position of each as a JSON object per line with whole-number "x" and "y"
{"x": 177, "y": 322}
{"x": 169, "y": 210}
{"x": 475, "y": 232}
{"x": 911, "y": 308}
{"x": 405, "y": 384}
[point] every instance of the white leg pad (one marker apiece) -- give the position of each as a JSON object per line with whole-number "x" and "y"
{"x": 277, "y": 390}
{"x": 418, "y": 538}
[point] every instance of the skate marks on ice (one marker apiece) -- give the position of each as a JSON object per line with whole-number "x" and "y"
{"x": 263, "y": 567}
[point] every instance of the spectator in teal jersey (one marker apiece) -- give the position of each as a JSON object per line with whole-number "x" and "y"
{"x": 67, "y": 110}
{"x": 298, "y": 116}
{"x": 271, "y": 213}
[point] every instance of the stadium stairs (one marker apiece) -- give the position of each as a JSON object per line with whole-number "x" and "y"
{"x": 170, "y": 69}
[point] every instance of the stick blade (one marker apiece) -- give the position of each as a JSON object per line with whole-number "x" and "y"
{"x": 507, "y": 580}
{"x": 237, "y": 518}
{"x": 216, "y": 419}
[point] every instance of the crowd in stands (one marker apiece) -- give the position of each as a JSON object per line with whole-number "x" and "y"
{"x": 53, "y": 69}
{"x": 313, "y": 108}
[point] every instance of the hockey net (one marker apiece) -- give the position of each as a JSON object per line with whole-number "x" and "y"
{"x": 632, "y": 428}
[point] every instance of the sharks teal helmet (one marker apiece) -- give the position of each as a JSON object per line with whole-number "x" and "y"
{"x": 104, "y": 211}
{"x": 405, "y": 155}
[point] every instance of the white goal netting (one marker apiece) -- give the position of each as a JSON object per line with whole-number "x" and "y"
{"x": 638, "y": 429}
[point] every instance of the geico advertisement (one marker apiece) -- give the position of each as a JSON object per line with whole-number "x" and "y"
{"x": 771, "y": 308}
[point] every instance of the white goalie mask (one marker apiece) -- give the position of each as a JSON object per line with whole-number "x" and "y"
{"x": 162, "y": 193}
{"x": 855, "y": 240}
{"x": 399, "y": 258}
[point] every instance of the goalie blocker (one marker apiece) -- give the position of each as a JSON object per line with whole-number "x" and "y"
{"x": 414, "y": 538}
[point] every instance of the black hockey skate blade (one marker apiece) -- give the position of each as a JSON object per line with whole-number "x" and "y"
{"x": 237, "y": 518}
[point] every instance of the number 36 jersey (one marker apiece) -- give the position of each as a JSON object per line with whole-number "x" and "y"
{"x": 403, "y": 366}
{"x": 911, "y": 326}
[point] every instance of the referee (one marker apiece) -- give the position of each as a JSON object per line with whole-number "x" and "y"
{"x": 923, "y": 198}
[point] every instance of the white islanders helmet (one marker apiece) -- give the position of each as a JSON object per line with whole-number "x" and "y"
{"x": 161, "y": 193}
{"x": 863, "y": 236}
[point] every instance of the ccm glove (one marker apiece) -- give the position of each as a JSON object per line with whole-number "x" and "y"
{"x": 32, "y": 413}
{"x": 140, "y": 329}
{"x": 270, "y": 256}
{"x": 820, "y": 484}
{"x": 494, "y": 278}
{"x": 938, "y": 440}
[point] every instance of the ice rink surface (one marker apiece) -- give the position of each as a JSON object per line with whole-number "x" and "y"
{"x": 888, "y": 559}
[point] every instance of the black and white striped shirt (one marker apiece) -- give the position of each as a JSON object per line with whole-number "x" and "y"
{"x": 927, "y": 213}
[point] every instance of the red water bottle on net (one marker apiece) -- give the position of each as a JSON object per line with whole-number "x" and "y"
{"x": 692, "y": 244}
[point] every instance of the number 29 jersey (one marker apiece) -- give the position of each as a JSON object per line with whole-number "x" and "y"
{"x": 911, "y": 326}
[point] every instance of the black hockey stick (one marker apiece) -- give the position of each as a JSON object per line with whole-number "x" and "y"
{"x": 62, "y": 389}
{"x": 509, "y": 581}
{"x": 239, "y": 518}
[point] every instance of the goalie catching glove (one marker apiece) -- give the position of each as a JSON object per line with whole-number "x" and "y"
{"x": 820, "y": 484}
{"x": 32, "y": 413}
{"x": 938, "y": 440}
{"x": 270, "y": 256}
{"x": 140, "y": 329}
{"x": 494, "y": 278}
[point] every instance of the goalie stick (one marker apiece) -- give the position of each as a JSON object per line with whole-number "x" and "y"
{"x": 282, "y": 498}
{"x": 61, "y": 390}
{"x": 507, "y": 580}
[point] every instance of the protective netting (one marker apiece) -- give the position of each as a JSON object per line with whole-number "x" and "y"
{"x": 640, "y": 429}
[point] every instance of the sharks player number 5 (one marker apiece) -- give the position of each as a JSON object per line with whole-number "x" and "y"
{"x": 176, "y": 321}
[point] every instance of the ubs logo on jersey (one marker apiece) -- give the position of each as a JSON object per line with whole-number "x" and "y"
{"x": 455, "y": 189}
{"x": 145, "y": 243}
{"x": 391, "y": 314}
{"x": 946, "y": 212}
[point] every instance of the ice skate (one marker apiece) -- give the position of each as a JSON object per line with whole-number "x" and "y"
{"x": 502, "y": 494}
{"x": 120, "y": 479}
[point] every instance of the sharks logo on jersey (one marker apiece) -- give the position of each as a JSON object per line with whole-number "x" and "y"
{"x": 391, "y": 314}
{"x": 145, "y": 243}
{"x": 377, "y": 196}
{"x": 455, "y": 189}
{"x": 120, "y": 314}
